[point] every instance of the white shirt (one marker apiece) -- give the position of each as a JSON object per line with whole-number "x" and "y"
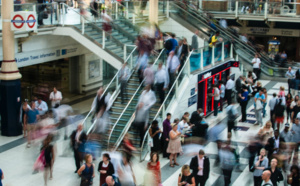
{"x": 276, "y": 144}
{"x": 272, "y": 103}
{"x": 161, "y": 76}
{"x": 124, "y": 73}
{"x": 230, "y": 84}
{"x": 172, "y": 63}
{"x": 57, "y": 97}
{"x": 257, "y": 62}
{"x": 216, "y": 94}
{"x": 77, "y": 135}
{"x": 290, "y": 74}
{"x": 201, "y": 165}
{"x": 182, "y": 127}
{"x": 43, "y": 106}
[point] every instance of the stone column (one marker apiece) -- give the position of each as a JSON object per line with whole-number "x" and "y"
{"x": 298, "y": 7}
{"x": 10, "y": 85}
{"x": 153, "y": 11}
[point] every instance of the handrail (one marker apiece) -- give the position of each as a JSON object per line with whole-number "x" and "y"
{"x": 106, "y": 89}
{"x": 226, "y": 32}
{"x": 170, "y": 90}
{"x": 108, "y": 141}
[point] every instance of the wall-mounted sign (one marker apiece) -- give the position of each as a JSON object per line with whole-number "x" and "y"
{"x": 192, "y": 100}
{"x": 193, "y": 90}
{"x": 23, "y": 21}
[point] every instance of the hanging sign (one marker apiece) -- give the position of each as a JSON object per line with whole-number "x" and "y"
{"x": 23, "y": 21}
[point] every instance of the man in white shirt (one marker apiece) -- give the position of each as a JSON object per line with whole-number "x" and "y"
{"x": 228, "y": 91}
{"x": 55, "y": 98}
{"x": 201, "y": 168}
{"x": 173, "y": 65}
{"x": 256, "y": 66}
{"x": 216, "y": 96}
{"x": 149, "y": 75}
{"x": 41, "y": 106}
{"x": 273, "y": 101}
{"x": 123, "y": 77}
{"x": 290, "y": 75}
{"x": 161, "y": 82}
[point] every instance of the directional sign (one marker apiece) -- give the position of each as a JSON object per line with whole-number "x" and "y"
{"x": 23, "y": 21}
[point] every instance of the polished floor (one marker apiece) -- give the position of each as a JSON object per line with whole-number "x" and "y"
{"x": 17, "y": 161}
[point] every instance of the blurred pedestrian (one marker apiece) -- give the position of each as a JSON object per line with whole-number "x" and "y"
{"x": 1, "y": 176}
{"x": 260, "y": 163}
{"x": 195, "y": 40}
{"x": 288, "y": 100}
{"x": 265, "y": 92}
{"x": 154, "y": 133}
{"x": 184, "y": 53}
{"x": 105, "y": 168}
{"x": 154, "y": 167}
{"x": 227, "y": 162}
{"x": 296, "y": 110}
{"x": 273, "y": 144}
{"x": 49, "y": 154}
{"x": 229, "y": 88}
{"x": 165, "y": 135}
{"x": 258, "y": 106}
{"x": 128, "y": 147}
{"x": 243, "y": 102}
{"x": 123, "y": 78}
{"x": 266, "y": 181}
{"x": 266, "y": 132}
{"x": 78, "y": 139}
{"x": 256, "y": 66}
{"x": 216, "y": 95}
{"x": 290, "y": 75}
{"x": 24, "y": 109}
{"x": 296, "y": 137}
{"x": 272, "y": 103}
{"x": 276, "y": 174}
{"x": 294, "y": 178}
{"x": 161, "y": 81}
{"x": 279, "y": 114}
{"x": 231, "y": 116}
{"x": 32, "y": 116}
{"x": 106, "y": 25}
{"x": 186, "y": 177}
{"x": 55, "y": 98}
{"x": 173, "y": 65}
{"x": 101, "y": 105}
{"x": 171, "y": 44}
{"x": 41, "y": 106}
{"x": 149, "y": 75}
{"x": 87, "y": 171}
{"x": 222, "y": 94}
{"x": 109, "y": 181}
{"x": 174, "y": 146}
{"x": 286, "y": 134}
{"x": 125, "y": 172}
{"x": 201, "y": 168}
{"x": 146, "y": 100}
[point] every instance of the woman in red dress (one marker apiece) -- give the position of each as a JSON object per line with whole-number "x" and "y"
{"x": 105, "y": 168}
{"x": 154, "y": 166}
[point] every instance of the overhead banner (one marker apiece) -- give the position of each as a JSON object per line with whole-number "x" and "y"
{"x": 23, "y": 21}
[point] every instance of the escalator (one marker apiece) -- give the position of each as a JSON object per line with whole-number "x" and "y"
{"x": 198, "y": 19}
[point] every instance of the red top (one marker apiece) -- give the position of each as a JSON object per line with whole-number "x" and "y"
{"x": 156, "y": 171}
{"x": 103, "y": 176}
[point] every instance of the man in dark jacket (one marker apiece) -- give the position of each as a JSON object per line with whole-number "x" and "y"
{"x": 273, "y": 144}
{"x": 200, "y": 166}
{"x": 78, "y": 139}
{"x": 276, "y": 174}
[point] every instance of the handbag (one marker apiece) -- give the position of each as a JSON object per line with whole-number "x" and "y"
{"x": 150, "y": 142}
{"x": 45, "y": 15}
{"x": 258, "y": 105}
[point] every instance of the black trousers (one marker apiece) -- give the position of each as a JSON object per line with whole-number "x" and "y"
{"x": 165, "y": 146}
{"x": 78, "y": 156}
{"x": 216, "y": 104}
{"x": 221, "y": 103}
{"x": 243, "y": 110}
{"x": 272, "y": 119}
{"x": 230, "y": 125}
{"x": 160, "y": 91}
{"x": 123, "y": 90}
{"x": 200, "y": 180}
{"x": 140, "y": 129}
{"x": 257, "y": 180}
{"x": 228, "y": 93}
{"x": 227, "y": 176}
{"x": 257, "y": 73}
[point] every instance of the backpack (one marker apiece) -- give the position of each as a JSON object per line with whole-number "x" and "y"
{"x": 168, "y": 44}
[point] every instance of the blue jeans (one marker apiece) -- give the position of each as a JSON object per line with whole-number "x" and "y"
{"x": 297, "y": 82}
{"x": 264, "y": 109}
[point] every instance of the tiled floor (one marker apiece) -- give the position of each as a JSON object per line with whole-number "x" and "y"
{"x": 17, "y": 163}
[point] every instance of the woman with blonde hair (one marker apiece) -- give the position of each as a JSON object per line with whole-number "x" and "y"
{"x": 86, "y": 171}
{"x": 186, "y": 178}
{"x": 266, "y": 132}
{"x": 174, "y": 146}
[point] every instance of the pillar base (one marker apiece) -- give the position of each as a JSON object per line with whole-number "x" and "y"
{"x": 10, "y": 103}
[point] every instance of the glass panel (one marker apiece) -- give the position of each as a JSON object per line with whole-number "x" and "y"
{"x": 195, "y": 60}
{"x": 218, "y": 52}
{"x": 207, "y": 52}
{"x": 47, "y": 14}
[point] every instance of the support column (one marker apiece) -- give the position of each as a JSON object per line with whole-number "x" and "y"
{"x": 10, "y": 85}
{"x": 298, "y": 8}
{"x": 153, "y": 11}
